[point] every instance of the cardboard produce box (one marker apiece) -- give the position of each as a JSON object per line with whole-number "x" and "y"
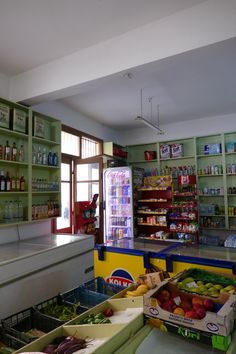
{"x": 220, "y": 322}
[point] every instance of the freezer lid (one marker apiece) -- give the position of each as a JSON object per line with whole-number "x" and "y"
{"x": 206, "y": 252}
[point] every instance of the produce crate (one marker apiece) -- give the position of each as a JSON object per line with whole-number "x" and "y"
{"x": 58, "y": 301}
{"x": 20, "y": 323}
{"x": 10, "y": 341}
{"x": 99, "y": 285}
{"x": 83, "y": 296}
{"x": 218, "y": 317}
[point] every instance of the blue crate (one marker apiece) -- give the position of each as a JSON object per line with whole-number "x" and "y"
{"x": 85, "y": 297}
{"x": 99, "y": 285}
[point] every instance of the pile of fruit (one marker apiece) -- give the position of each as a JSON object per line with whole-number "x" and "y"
{"x": 182, "y": 304}
{"x": 205, "y": 288}
{"x": 139, "y": 291}
{"x": 99, "y": 318}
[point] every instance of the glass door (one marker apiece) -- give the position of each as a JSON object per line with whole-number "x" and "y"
{"x": 64, "y": 224}
{"x": 88, "y": 182}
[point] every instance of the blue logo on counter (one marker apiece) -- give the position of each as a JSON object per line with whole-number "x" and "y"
{"x": 120, "y": 277}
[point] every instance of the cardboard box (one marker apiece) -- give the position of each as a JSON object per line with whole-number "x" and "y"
{"x": 152, "y": 279}
{"x": 4, "y": 116}
{"x": 177, "y": 150}
{"x": 165, "y": 151}
{"x": 221, "y": 322}
{"x": 211, "y": 149}
{"x": 19, "y": 120}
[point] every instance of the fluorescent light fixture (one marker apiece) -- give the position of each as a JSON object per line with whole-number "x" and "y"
{"x": 149, "y": 124}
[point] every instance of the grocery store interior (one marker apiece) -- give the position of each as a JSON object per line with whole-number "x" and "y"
{"x": 117, "y": 176}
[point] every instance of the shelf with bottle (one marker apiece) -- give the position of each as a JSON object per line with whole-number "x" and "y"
{"x": 43, "y": 157}
{"x": 45, "y": 209}
{"x": 212, "y": 222}
{"x": 13, "y": 209}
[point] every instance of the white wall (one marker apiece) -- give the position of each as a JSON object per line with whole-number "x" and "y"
{"x": 77, "y": 120}
{"x": 4, "y": 86}
{"x": 197, "y": 127}
{"x": 201, "y": 25}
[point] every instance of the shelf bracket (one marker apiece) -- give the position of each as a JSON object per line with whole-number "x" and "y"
{"x": 146, "y": 260}
{"x": 169, "y": 263}
{"x": 101, "y": 253}
{"x": 234, "y": 268}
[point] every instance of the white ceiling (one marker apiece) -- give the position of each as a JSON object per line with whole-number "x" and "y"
{"x": 191, "y": 85}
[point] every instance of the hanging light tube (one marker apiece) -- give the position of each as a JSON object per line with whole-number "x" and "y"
{"x": 149, "y": 124}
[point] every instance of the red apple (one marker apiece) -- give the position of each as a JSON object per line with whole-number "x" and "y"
{"x": 208, "y": 304}
{"x": 198, "y": 306}
{"x": 201, "y": 313}
{"x": 197, "y": 300}
{"x": 163, "y": 296}
{"x": 186, "y": 305}
{"x": 191, "y": 314}
{"x": 168, "y": 305}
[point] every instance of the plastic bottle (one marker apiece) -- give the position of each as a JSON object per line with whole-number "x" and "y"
{"x": 50, "y": 159}
{"x": 45, "y": 159}
{"x": 15, "y": 210}
{"x": 10, "y": 211}
{"x": 55, "y": 159}
{"x": 39, "y": 157}
{"x": 6, "y": 211}
{"x": 21, "y": 154}
{"x": 20, "y": 210}
{"x": 34, "y": 156}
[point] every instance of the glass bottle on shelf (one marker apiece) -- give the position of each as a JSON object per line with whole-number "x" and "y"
{"x": 22, "y": 183}
{"x": 17, "y": 183}
{"x": 7, "y": 183}
{"x": 1, "y": 152}
{"x": 21, "y": 154}
{"x": 2, "y": 181}
{"x": 13, "y": 183}
{"x": 14, "y": 152}
{"x": 7, "y": 151}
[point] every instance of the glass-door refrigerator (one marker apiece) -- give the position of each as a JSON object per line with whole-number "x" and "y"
{"x": 119, "y": 186}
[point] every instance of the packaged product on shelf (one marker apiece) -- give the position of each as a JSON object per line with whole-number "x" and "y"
{"x": 210, "y": 149}
{"x": 177, "y": 150}
{"x": 165, "y": 151}
{"x": 4, "y": 116}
